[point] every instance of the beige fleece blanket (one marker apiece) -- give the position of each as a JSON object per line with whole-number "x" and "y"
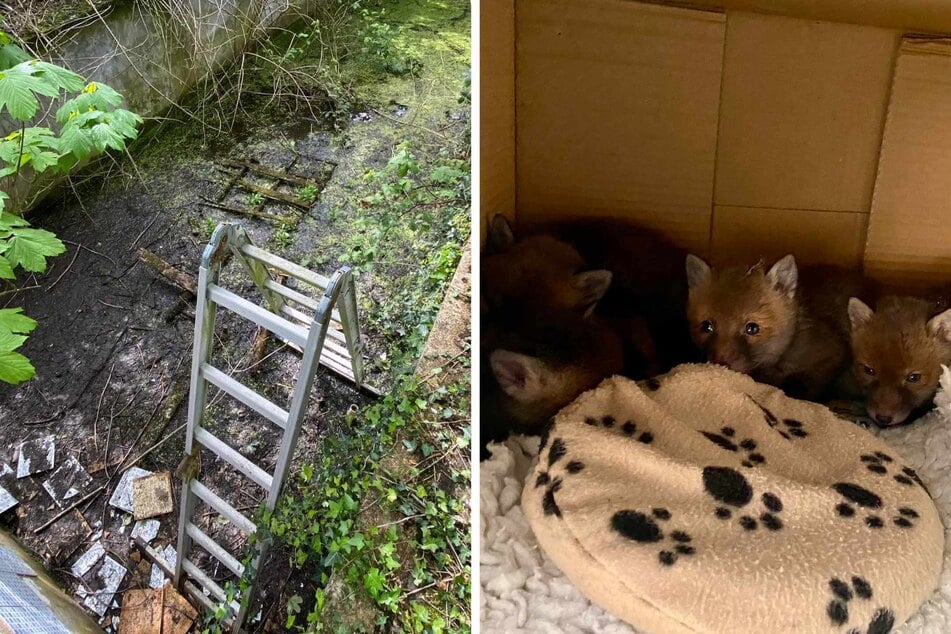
{"x": 706, "y": 502}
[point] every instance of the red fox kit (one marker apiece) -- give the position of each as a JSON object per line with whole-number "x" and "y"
{"x": 627, "y": 274}
{"x": 772, "y": 325}
{"x": 539, "y": 366}
{"x": 898, "y": 350}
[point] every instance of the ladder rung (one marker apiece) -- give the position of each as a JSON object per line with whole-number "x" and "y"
{"x": 295, "y": 296}
{"x": 239, "y": 462}
{"x": 291, "y": 294}
{"x": 212, "y": 547}
{"x": 260, "y": 316}
{"x": 293, "y": 313}
{"x": 227, "y": 511}
{"x": 204, "y": 580}
{"x": 246, "y": 395}
{"x": 279, "y": 263}
{"x": 199, "y": 597}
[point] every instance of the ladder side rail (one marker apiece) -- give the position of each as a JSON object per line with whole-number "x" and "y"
{"x": 259, "y": 273}
{"x": 305, "y": 380}
{"x": 205, "y": 311}
{"x": 351, "y": 325}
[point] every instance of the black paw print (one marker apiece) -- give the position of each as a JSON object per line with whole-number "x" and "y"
{"x": 879, "y": 463}
{"x": 730, "y": 488}
{"x": 556, "y": 452}
{"x": 628, "y": 428}
{"x": 856, "y": 495}
{"x": 645, "y": 529}
{"x": 842, "y": 594}
{"x": 793, "y": 427}
{"x": 725, "y": 439}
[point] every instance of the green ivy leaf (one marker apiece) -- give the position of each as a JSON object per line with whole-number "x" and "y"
{"x": 12, "y": 320}
{"x": 15, "y": 368}
{"x": 17, "y": 87}
{"x": 105, "y": 136}
{"x": 95, "y": 96}
{"x": 29, "y": 248}
{"x": 57, "y": 77}
{"x": 10, "y": 54}
{"x": 6, "y": 270}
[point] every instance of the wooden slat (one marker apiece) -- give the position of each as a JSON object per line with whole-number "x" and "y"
{"x": 235, "y": 459}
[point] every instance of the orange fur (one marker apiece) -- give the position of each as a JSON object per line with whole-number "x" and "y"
{"x": 892, "y": 344}
{"x": 781, "y": 326}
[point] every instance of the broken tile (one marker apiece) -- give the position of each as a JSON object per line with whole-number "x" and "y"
{"x": 141, "y": 612}
{"x": 36, "y": 456}
{"x": 178, "y": 614}
{"x": 64, "y": 538}
{"x": 7, "y": 501}
{"x": 68, "y": 481}
{"x": 122, "y": 496}
{"x": 103, "y": 586}
{"x": 88, "y": 559}
{"x": 152, "y": 495}
{"x": 157, "y": 579}
{"x": 5, "y": 470}
{"x": 146, "y": 529}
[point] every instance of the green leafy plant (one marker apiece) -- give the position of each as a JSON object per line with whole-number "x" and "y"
{"x": 87, "y": 122}
{"x": 255, "y": 199}
{"x": 307, "y": 193}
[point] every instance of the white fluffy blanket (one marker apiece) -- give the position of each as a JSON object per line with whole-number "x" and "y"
{"x": 523, "y": 591}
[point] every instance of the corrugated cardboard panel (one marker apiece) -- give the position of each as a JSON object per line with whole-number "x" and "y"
{"x": 910, "y": 226}
{"x": 617, "y": 113}
{"x": 922, "y": 16}
{"x": 745, "y": 234}
{"x": 497, "y": 110}
{"x": 801, "y": 113}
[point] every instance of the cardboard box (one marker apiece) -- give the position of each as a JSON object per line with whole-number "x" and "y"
{"x": 821, "y": 128}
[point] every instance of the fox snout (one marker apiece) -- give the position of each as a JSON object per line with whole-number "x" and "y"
{"x": 888, "y": 408}
{"x": 728, "y": 357}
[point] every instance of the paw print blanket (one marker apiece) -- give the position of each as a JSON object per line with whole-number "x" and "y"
{"x": 706, "y": 502}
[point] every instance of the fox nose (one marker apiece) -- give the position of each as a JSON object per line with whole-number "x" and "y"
{"x": 882, "y": 419}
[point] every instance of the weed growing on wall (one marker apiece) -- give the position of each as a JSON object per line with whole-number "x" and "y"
{"x": 88, "y": 121}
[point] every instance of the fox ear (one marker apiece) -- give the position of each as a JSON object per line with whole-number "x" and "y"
{"x": 784, "y": 276}
{"x": 698, "y": 271}
{"x": 940, "y": 325}
{"x": 501, "y": 237}
{"x": 859, "y": 312}
{"x": 521, "y": 377}
{"x": 592, "y": 285}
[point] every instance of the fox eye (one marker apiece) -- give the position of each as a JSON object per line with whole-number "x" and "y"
{"x": 914, "y": 377}
{"x": 869, "y": 371}
{"x": 751, "y": 328}
{"x": 706, "y": 326}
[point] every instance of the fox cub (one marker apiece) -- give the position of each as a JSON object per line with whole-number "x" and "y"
{"x": 898, "y": 349}
{"x": 780, "y": 325}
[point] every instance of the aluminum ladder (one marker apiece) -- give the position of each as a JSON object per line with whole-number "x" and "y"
{"x": 329, "y": 335}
